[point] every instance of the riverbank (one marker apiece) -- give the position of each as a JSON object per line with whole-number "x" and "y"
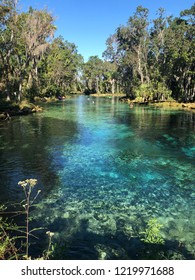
{"x": 174, "y": 105}
{"x": 171, "y": 104}
{"x": 107, "y": 95}
{"x": 10, "y": 109}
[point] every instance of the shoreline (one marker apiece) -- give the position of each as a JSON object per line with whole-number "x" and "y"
{"x": 175, "y": 105}
{"x": 172, "y": 104}
{"x": 107, "y": 94}
{"x": 10, "y": 110}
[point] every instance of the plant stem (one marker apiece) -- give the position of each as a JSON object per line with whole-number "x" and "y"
{"x": 27, "y": 220}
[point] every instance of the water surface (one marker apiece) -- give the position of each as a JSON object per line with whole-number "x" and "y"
{"x": 105, "y": 170}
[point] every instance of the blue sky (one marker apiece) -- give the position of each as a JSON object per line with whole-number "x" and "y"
{"x": 88, "y": 23}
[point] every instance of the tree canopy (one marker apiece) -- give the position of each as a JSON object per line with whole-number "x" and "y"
{"x": 32, "y": 62}
{"x": 147, "y": 60}
{"x": 155, "y": 60}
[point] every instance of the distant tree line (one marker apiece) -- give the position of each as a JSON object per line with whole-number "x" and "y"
{"x": 145, "y": 60}
{"x": 148, "y": 60}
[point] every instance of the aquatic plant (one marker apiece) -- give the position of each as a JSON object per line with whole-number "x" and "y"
{"x": 152, "y": 232}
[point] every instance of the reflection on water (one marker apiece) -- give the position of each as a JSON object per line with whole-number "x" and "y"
{"x": 105, "y": 171}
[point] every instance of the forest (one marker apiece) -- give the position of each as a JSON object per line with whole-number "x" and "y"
{"x": 144, "y": 59}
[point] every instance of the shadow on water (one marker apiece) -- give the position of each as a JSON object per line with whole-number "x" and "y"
{"x": 86, "y": 245}
{"x": 26, "y": 145}
{"x": 172, "y": 131}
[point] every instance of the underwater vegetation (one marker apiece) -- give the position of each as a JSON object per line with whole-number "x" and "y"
{"x": 152, "y": 232}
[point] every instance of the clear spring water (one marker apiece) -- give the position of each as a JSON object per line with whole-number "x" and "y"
{"x": 105, "y": 170}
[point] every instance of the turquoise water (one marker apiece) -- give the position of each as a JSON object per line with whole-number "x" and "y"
{"x": 105, "y": 170}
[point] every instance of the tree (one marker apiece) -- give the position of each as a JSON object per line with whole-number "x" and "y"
{"x": 128, "y": 50}
{"x": 109, "y": 77}
{"x": 156, "y": 57}
{"x": 180, "y": 55}
{"x": 113, "y": 57}
{"x": 133, "y": 41}
{"x": 60, "y": 68}
{"x": 92, "y": 74}
{"x": 35, "y": 28}
{"x": 24, "y": 39}
{"x": 30, "y": 62}
{"x": 8, "y": 18}
{"x": 155, "y": 63}
{"x": 99, "y": 76}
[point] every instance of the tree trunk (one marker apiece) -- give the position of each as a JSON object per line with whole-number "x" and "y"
{"x": 139, "y": 65}
{"x": 8, "y": 97}
{"x": 113, "y": 86}
{"x": 20, "y": 91}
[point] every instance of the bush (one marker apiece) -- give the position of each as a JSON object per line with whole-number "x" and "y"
{"x": 151, "y": 92}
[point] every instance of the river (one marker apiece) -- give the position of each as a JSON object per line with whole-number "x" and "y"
{"x": 104, "y": 171}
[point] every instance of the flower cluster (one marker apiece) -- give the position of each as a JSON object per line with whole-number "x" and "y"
{"x": 28, "y": 182}
{"x": 50, "y": 234}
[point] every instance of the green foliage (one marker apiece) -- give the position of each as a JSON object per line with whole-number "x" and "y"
{"x": 161, "y": 91}
{"x": 14, "y": 239}
{"x": 59, "y": 71}
{"x": 144, "y": 60}
{"x": 143, "y": 92}
{"x": 8, "y": 249}
{"x": 30, "y": 63}
{"x": 99, "y": 76}
{"x": 156, "y": 63}
{"x": 152, "y": 91}
{"x": 152, "y": 232}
